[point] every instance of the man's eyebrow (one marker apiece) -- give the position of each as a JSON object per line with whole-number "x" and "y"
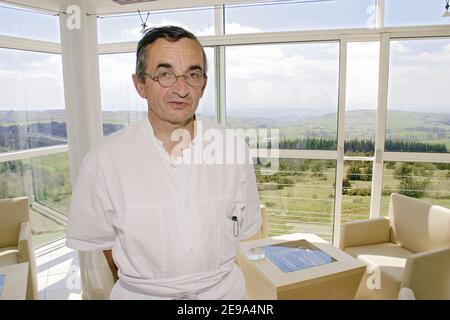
{"x": 196, "y": 67}
{"x": 169, "y": 66}
{"x": 164, "y": 65}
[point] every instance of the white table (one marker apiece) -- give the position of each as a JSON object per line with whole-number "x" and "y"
{"x": 15, "y": 282}
{"x": 336, "y": 280}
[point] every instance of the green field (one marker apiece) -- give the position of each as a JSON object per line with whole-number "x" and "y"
{"x": 303, "y": 199}
{"x": 360, "y": 124}
{"x": 300, "y": 197}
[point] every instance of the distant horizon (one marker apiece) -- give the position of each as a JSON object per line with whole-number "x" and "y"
{"x": 244, "y": 110}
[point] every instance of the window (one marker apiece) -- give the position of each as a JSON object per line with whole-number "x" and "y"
{"x": 46, "y": 182}
{"x": 299, "y": 197}
{"x": 290, "y": 87}
{"x": 127, "y": 27}
{"x": 361, "y": 98}
{"x": 299, "y": 15}
{"x": 31, "y": 100}
{"x": 422, "y": 180}
{"x": 418, "y": 118}
{"x": 122, "y": 105}
{"x": 24, "y": 23}
{"x": 356, "y": 190}
{"x": 414, "y": 12}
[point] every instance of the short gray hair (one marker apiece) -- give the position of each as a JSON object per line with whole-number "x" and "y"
{"x": 169, "y": 33}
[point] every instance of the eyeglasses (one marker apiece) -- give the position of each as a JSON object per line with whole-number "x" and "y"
{"x": 166, "y": 78}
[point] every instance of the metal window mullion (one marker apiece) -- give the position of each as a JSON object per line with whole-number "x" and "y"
{"x": 32, "y": 153}
{"x": 297, "y": 154}
{"x": 119, "y": 47}
{"x": 219, "y": 68}
{"x": 353, "y": 158}
{"x": 380, "y": 133}
{"x": 417, "y": 157}
{"x": 293, "y": 36}
{"x": 29, "y": 44}
{"x": 340, "y": 140}
{"x": 220, "y": 85}
{"x": 380, "y": 13}
{"x": 219, "y": 18}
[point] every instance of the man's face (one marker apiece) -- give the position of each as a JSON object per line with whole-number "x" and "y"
{"x": 177, "y": 104}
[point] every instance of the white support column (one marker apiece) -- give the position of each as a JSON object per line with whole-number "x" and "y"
{"x": 79, "y": 48}
{"x": 340, "y": 141}
{"x": 380, "y": 134}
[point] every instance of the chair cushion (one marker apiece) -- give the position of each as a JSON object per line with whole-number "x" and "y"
{"x": 390, "y": 258}
{"x": 8, "y": 256}
{"x": 418, "y": 225}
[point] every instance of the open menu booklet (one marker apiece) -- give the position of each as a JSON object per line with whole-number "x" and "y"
{"x": 296, "y": 255}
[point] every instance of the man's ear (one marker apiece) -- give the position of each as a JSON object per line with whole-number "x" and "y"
{"x": 139, "y": 86}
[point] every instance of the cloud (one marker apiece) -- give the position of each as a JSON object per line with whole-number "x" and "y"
{"x": 362, "y": 75}
{"x": 271, "y": 76}
{"x": 274, "y": 76}
{"x": 236, "y": 28}
{"x": 419, "y": 75}
{"x": 30, "y": 80}
{"x": 116, "y": 85}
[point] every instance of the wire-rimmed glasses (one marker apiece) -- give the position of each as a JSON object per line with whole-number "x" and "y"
{"x": 167, "y": 78}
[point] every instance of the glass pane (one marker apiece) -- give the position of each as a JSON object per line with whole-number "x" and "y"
{"x": 46, "y": 182}
{"x": 51, "y": 183}
{"x": 299, "y": 15}
{"x": 415, "y": 12}
{"x": 356, "y": 190}
{"x": 122, "y": 105}
{"x": 24, "y": 23}
{"x": 127, "y": 27}
{"x": 31, "y": 100}
{"x": 418, "y": 118}
{"x": 425, "y": 181}
{"x": 299, "y": 197}
{"x": 361, "y": 98}
{"x": 293, "y": 88}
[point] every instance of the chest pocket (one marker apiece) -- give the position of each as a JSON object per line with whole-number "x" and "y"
{"x": 214, "y": 233}
{"x": 230, "y": 237}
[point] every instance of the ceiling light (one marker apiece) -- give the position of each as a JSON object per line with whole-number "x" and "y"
{"x": 447, "y": 6}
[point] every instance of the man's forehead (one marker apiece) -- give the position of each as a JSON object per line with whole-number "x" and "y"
{"x": 184, "y": 46}
{"x": 168, "y": 52}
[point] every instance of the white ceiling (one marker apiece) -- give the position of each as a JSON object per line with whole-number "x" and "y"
{"x": 110, "y": 7}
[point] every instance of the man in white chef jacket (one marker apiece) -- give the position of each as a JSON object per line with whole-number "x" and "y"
{"x": 167, "y": 211}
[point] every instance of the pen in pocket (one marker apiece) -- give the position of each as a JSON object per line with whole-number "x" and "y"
{"x": 235, "y": 226}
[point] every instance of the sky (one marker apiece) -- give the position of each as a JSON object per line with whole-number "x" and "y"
{"x": 261, "y": 76}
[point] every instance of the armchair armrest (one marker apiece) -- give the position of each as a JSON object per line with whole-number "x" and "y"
{"x": 365, "y": 232}
{"x": 428, "y": 274}
{"x": 24, "y": 242}
{"x": 26, "y": 254}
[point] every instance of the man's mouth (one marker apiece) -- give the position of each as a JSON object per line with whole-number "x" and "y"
{"x": 179, "y": 104}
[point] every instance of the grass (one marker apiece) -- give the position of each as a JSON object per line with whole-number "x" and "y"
{"x": 310, "y": 201}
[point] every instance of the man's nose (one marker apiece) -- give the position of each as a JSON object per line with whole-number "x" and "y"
{"x": 181, "y": 87}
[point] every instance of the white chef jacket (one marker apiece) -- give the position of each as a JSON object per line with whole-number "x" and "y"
{"x": 169, "y": 224}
